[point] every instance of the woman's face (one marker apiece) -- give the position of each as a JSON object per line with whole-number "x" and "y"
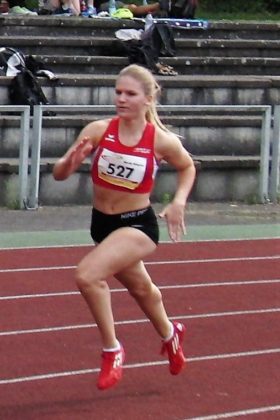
{"x": 130, "y": 99}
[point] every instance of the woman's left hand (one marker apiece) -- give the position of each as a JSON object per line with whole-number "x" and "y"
{"x": 174, "y": 214}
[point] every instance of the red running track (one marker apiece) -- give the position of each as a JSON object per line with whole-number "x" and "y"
{"x": 228, "y": 295}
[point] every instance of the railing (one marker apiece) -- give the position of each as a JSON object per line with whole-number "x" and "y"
{"x": 275, "y": 158}
{"x": 268, "y": 178}
{"x": 24, "y": 111}
{"x": 265, "y": 138}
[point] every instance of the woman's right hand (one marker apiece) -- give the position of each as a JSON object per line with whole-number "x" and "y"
{"x": 71, "y": 161}
{"x": 79, "y": 152}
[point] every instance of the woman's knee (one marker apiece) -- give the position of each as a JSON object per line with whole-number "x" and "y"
{"x": 82, "y": 278}
{"x": 144, "y": 291}
{"x": 87, "y": 278}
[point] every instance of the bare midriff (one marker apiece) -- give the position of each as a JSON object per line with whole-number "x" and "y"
{"x": 114, "y": 202}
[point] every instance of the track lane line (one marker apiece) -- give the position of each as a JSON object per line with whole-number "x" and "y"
{"x": 196, "y": 261}
{"x": 168, "y": 287}
{"x": 141, "y": 321}
{"x": 241, "y": 413}
{"x": 54, "y": 375}
{"x": 249, "y": 411}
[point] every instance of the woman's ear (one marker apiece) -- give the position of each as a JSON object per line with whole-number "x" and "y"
{"x": 148, "y": 101}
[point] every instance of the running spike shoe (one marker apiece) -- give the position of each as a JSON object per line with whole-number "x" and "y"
{"x": 174, "y": 350}
{"x": 111, "y": 369}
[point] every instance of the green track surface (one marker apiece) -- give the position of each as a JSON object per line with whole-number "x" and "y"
{"x": 195, "y": 233}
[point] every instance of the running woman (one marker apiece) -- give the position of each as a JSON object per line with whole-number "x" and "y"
{"x": 126, "y": 151}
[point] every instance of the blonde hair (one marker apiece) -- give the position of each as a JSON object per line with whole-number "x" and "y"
{"x": 151, "y": 88}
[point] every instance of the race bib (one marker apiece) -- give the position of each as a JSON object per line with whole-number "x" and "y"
{"x": 123, "y": 170}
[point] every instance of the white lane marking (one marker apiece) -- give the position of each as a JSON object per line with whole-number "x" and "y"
{"x": 250, "y": 411}
{"x": 196, "y": 261}
{"x": 140, "y": 321}
{"x": 139, "y": 365}
{"x": 168, "y": 287}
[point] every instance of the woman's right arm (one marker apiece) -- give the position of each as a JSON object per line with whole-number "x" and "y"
{"x": 72, "y": 159}
{"x": 85, "y": 143}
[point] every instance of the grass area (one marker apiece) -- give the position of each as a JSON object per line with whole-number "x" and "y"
{"x": 260, "y": 17}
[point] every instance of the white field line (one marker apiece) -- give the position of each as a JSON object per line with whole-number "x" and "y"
{"x": 196, "y": 261}
{"x": 241, "y": 413}
{"x": 54, "y": 375}
{"x": 141, "y": 321}
{"x": 169, "y": 287}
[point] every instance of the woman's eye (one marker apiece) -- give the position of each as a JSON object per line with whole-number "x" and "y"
{"x": 128, "y": 93}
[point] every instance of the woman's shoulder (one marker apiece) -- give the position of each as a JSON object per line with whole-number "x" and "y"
{"x": 95, "y": 129}
{"x": 166, "y": 142}
{"x": 165, "y": 138}
{"x": 165, "y": 134}
{"x": 98, "y": 124}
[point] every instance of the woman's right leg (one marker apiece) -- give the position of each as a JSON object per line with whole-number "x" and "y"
{"x": 123, "y": 247}
{"x": 91, "y": 277}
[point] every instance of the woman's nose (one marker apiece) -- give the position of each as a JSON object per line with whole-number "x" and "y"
{"x": 122, "y": 97}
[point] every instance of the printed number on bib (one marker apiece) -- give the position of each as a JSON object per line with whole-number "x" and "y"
{"x": 119, "y": 170}
{"x": 123, "y": 170}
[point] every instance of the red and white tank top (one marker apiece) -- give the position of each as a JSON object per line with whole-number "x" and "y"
{"x": 125, "y": 168}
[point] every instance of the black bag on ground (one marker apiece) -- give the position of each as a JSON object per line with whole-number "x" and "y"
{"x": 159, "y": 37}
{"x": 157, "y": 41}
{"x": 25, "y": 90}
{"x": 183, "y": 9}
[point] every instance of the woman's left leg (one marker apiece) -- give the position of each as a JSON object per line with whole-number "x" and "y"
{"x": 139, "y": 284}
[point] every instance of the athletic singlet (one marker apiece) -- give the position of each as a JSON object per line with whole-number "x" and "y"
{"x": 125, "y": 168}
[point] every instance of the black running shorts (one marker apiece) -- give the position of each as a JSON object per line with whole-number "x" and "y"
{"x": 145, "y": 220}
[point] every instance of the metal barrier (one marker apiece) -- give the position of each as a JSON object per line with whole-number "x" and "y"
{"x": 24, "y": 111}
{"x": 274, "y": 193}
{"x": 37, "y": 134}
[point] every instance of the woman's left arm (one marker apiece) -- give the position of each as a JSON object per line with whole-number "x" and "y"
{"x": 176, "y": 155}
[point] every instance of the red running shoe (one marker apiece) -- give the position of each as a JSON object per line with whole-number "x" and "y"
{"x": 174, "y": 349}
{"x": 111, "y": 369}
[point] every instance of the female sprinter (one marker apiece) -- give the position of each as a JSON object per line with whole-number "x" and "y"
{"x": 126, "y": 151}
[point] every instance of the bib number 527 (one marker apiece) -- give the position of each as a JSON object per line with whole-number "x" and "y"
{"x": 119, "y": 170}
